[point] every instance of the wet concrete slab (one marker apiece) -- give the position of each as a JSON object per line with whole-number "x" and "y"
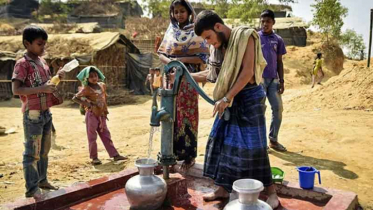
{"x": 183, "y": 193}
{"x": 188, "y": 196}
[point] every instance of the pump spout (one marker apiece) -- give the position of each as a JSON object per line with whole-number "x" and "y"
{"x": 157, "y": 115}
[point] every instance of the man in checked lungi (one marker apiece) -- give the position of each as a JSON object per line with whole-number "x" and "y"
{"x": 237, "y": 146}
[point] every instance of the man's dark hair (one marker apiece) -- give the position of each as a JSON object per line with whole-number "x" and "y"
{"x": 206, "y": 20}
{"x": 268, "y": 13}
{"x": 30, "y": 33}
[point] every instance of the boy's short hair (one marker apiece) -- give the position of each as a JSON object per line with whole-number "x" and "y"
{"x": 268, "y": 13}
{"x": 206, "y": 20}
{"x": 157, "y": 69}
{"x": 32, "y": 32}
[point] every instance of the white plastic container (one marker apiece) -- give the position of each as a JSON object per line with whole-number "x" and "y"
{"x": 70, "y": 65}
{"x": 248, "y": 196}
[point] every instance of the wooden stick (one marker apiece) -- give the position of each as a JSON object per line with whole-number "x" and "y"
{"x": 370, "y": 35}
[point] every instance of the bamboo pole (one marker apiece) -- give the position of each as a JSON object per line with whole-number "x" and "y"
{"x": 370, "y": 35}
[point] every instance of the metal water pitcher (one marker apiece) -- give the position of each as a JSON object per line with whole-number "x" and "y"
{"x": 146, "y": 191}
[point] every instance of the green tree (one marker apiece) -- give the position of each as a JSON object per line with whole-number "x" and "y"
{"x": 158, "y": 8}
{"x": 245, "y": 10}
{"x": 221, "y": 7}
{"x": 354, "y": 43}
{"x": 53, "y": 8}
{"x": 328, "y": 17}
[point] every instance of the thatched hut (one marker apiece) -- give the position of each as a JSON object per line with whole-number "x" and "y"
{"x": 115, "y": 20}
{"x": 108, "y": 51}
{"x": 7, "y": 61}
{"x": 291, "y": 29}
{"x": 18, "y": 8}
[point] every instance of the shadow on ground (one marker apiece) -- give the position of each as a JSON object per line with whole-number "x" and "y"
{"x": 297, "y": 159}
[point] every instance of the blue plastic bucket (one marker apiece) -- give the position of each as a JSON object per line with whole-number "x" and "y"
{"x": 307, "y": 176}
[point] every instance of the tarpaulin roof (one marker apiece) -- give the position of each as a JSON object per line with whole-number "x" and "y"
{"x": 5, "y": 55}
{"x": 19, "y": 8}
{"x": 138, "y": 69}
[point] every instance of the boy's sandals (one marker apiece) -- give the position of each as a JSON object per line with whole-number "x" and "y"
{"x": 47, "y": 186}
{"x": 37, "y": 195}
{"x": 96, "y": 161}
{"x": 120, "y": 157}
{"x": 277, "y": 146}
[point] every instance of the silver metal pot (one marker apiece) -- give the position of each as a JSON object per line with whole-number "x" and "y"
{"x": 248, "y": 193}
{"x": 146, "y": 191}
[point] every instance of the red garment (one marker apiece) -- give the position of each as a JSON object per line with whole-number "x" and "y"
{"x": 186, "y": 124}
{"x": 30, "y": 77}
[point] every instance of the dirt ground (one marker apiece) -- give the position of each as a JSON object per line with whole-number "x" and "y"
{"x": 337, "y": 142}
{"x": 329, "y": 127}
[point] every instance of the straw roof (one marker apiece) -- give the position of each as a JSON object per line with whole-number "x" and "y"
{"x": 70, "y": 28}
{"x": 70, "y": 45}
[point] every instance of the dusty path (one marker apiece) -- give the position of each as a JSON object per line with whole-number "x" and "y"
{"x": 337, "y": 142}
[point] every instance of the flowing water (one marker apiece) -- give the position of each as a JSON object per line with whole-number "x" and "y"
{"x": 153, "y": 130}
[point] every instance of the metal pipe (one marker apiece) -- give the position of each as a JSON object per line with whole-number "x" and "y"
{"x": 165, "y": 116}
{"x": 370, "y": 36}
{"x": 166, "y": 173}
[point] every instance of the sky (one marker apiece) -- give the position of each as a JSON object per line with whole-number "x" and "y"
{"x": 358, "y": 17}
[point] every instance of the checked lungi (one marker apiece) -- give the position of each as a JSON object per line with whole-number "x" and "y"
{"x": 237, "y": 147}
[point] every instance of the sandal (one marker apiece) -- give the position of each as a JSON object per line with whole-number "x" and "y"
{"x": 120, "y": 157}
{"x": 277, "y": 146}
{"x": 187, "y": 164}
{"x": 96, "y": 161}
{"x": 47, "y": 186}
{"x": 37, "y": 195}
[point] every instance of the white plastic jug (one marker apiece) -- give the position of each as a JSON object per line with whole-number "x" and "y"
{"x": 70, "y": 65}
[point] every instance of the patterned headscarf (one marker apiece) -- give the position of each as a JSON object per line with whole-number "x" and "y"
{"x": 183, "y": 41}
